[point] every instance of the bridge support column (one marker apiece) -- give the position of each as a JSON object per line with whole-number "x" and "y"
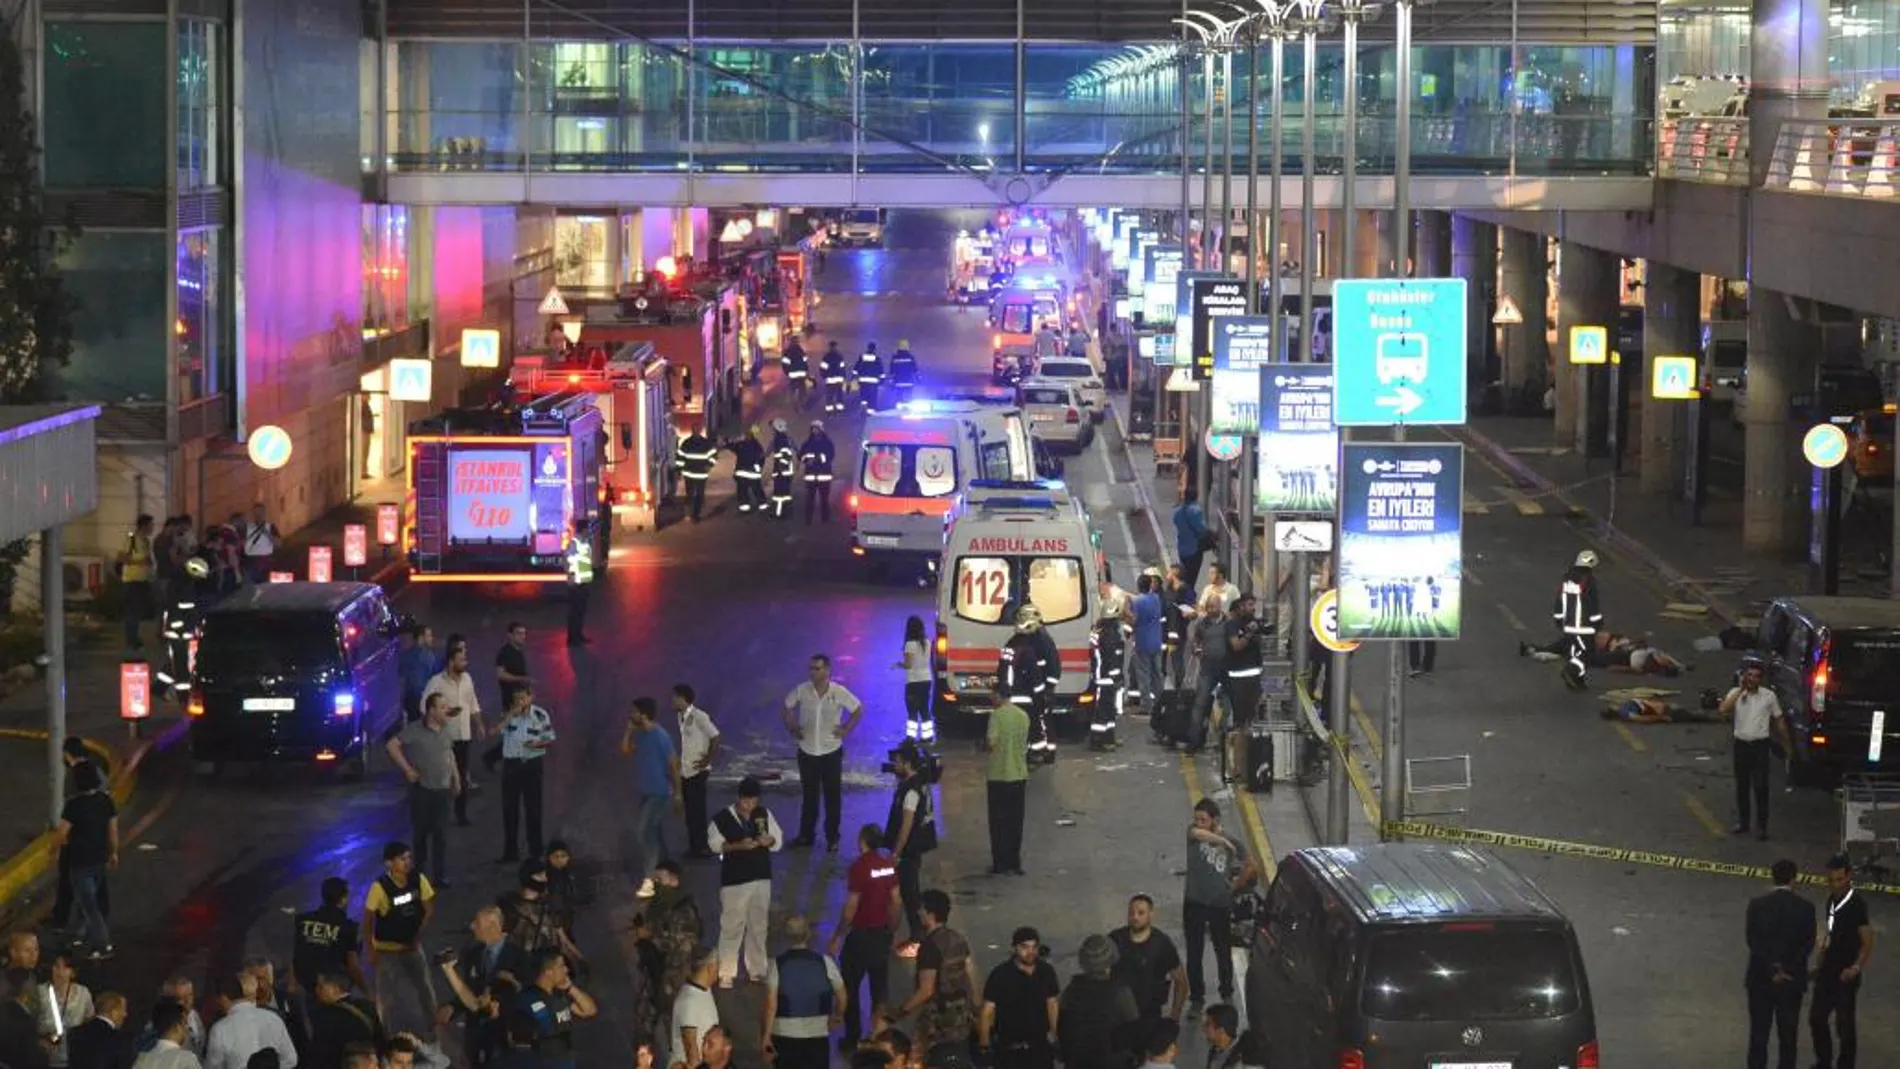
{"x": 1433, "y": 258}
{"x": 1788, "y": 77}
{"x": 1587, "y": 292}
{"x": 1671, "y": 326}
{"x": 1780, "y": 371}
{"x": 1526, "y": 281}
{"x": 1473, "y": 256}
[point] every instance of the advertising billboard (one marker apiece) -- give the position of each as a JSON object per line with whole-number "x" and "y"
{"x": 1208, "y": 300}
{"x": 1157, "y": 297}
{"x": 489, "y": 493}
{"x": 1242, "y": 346}
{"x": 1299, "y": 446}
{"x": 1183, "y": 312}
{"x": 1401, "y": 540}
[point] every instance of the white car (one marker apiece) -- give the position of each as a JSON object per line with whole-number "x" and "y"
{"x": 1055, "y": 412}
{"x": 1077, "y": 371}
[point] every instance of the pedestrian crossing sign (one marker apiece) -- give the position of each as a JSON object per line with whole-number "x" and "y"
{"x": 1589, "y": 345}
{"x": 411, "y": 379}
{"x": 1673, "y": 378}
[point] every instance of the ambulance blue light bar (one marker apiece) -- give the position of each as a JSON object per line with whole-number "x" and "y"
{"x": 1025, "y": 485}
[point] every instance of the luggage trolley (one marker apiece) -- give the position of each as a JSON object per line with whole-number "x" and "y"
{"x": 1870, "y": 825}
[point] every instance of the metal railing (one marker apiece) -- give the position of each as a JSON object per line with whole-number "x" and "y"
{"x": 1696, "y": 149}
{"x": 1841, "y": 157}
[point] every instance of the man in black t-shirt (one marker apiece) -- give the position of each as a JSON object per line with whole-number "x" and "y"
{"x": 89, "y": 841}
{"x": 1018, "y": 1024}
{"x": 1149, "y": 964}
{"x": 511, "y": 675}
{"x": 1845, "y": 948}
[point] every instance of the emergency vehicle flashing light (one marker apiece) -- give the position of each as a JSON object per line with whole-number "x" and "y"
{"x": 667, "y": 267}
{"x": 344, "y": 704}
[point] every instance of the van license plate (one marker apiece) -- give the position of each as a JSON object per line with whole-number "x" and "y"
{"x": 880, "y": 541}
{"x": 1042, "y": 417}
{"x": 270, "y": 705}
{"x": 1471, "y": 1065}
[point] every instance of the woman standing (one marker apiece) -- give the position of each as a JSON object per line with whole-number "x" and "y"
{"x": 919, "y": 724}
{"x": 67, "y": 1006}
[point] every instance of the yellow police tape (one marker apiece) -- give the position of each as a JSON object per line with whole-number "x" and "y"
{"x": 1411, "y": 829}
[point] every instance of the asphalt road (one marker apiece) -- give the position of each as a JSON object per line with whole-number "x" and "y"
{"x": 735, "y": 607}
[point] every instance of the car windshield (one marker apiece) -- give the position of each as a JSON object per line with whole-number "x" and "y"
{"x": 985, "y": 586}
{"x": 861, "y": 215}
{"x": 267, "y": 643}
{"x": 1470, "y": 972}
{"x": 1864, "y": 666}
{"x": 1056, "y": 369}
{"x": 903, "y": 470}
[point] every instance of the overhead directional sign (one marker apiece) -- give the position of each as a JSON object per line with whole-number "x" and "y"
{"x": 1507, "y": 314}
{"x": 1299, "y": 446}
{"x": 1303, "y": 536}
{"x": 411, "y": 379}
{"x": 1211, "y": 299}
{"x": 1825, "y": 445}
{"x": 1589, "y": 345}
{"x": 553, "y": 304}
{"x": 1401, "y": 540}
{"x": 1242, "y": 345}
{"x": 1673, "y": 378}
{"x": 1184, "y": 344}
{"x": 1399, "y": 351}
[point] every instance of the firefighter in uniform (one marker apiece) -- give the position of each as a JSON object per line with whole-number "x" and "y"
{"x": 797, "y": 371}
{"x": 816, "y": 456}
{"x": 784, "y": 461}
{"x": 179, "y": 623}
{"x": 695, "y": 456}
{"x": 1579, "y": 616}
{"x": 831, "y": 369}
{"x": 580, "y": 583}
{"x": 748, "y": 471}
{"x": 1107, "y": 655}
{"x": 870, "y": 374}
{"x": 903, "y": 373}
{"x": 1026, "y": 674}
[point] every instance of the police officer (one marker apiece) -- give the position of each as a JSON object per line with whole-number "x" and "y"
{"x": 1241, "y": 635}
{"x": 804, "y": 992}
{"x": 870, "y": 373}
{"x": 1027, "y": 673}
{"x": 748, "y": 471}
{"x": 903, "y": 373}
{"x": 817, "y": 456}
{"x": 911, "y": 826}
{"x": 797, "y": 371}
{"x": 1578, "y": 615}
{"x": 695, "y": 457}
{"x": 179, "y": 623}
{"x": 580, "y": 584}
{"x": 554, "y": 1002}
{"x": 784, "y": 460}
{"x": 325, "y": 941}
{"x": 1107, "y": 656}
{"x": 831, "y": 368}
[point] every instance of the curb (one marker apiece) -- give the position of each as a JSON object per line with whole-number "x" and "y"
{"x": 1613, "y": 539}
{"x": 35, "y": 859}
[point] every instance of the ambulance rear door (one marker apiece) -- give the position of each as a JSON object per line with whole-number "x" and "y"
{"x": 907, "y": 479}
{"x": 991, "y": 566}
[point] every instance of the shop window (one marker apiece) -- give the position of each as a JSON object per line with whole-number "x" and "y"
{"x": 117, "y": 279}
{"x": 386, "y": 304}
{"x": 199, "y": 90}
{"x": 199, "y": 328}
{"x": 583, "y": 253}
{"x": 104, "y": 106}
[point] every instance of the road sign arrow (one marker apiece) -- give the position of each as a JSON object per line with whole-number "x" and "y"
{"x": 1403, "y": 401}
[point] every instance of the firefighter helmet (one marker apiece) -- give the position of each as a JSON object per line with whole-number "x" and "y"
{"x": 1028, "y": 618}
{"x": 197, "y": 567}
{"x": 903, "y": 343}
{"x": 1587, "y": 559}
{"x": 778, "y": 425}
{"x": 818, "y": 424}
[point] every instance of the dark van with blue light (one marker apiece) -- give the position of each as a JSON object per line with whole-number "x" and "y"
{"x": 296, "y": 672}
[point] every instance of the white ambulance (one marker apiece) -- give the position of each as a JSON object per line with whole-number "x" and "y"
{"x": 917, "y": 459}
{"x": 1012, "y": 543}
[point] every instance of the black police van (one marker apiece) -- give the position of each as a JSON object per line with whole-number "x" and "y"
{"x": 1834, "y": 664}
{"x": 296, "y": 672}
{"x": 1409, "y": 955}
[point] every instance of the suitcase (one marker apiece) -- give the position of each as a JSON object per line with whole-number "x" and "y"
{"x": 1258, "y": 770}
{"x": 1172, "y": 716}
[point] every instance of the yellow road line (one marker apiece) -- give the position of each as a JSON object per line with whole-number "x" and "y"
{"x": 1474, "y": 507}
{"x": 1249, "y": 815}
{"x": 1630, "y": 737}
{"x": 1511, "y": 617}
{"x": 1524, "y": 505}
{"x": 1704, "y": 817}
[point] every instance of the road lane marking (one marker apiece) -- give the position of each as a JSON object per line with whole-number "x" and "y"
{"x": 1474, "y": 507}
{"x": 1630, "y": 737}
{"x": 1524, "y": 505}
{"x": 1511, "y": 617}
{"x": 1703, "y": 816}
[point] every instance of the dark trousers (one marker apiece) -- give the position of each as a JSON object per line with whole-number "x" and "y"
{"x": 695, "y": 496}
{"x": 461, "y": 800}
{"x": 750, "y": 492}
{"x": 1206, "y": 924}
{"x": 63, "y": 897}
{"x": 694, "y": 788}
{"x": 1243, "y": 698}
{"x": 867, "y": 956}
{"x": 816, "y": 773}
{"x": 577, "y": 612}
{"x": 1752, "y": 757}
{"x": 917, "y": 711}
{"x": 1834, "y": 997}
{"x": 801, "y": 1053}
{"x": 1017, "y": 1054}
{"x": 429, "y": 830}
{"x": 1577, "y": 653}
{"x": 910, "y": 887}
{"x": 1108, "y": 706}
{"x": 1191, "y": 566}
{"x": 818, "y": 497}
{"x": 521, "y": 789}
{"x": 138, "y": 605}
{"x": 1777, "y": 1006}
{"x": 1423, "y": 655}
{"x": 1007, "y": 804}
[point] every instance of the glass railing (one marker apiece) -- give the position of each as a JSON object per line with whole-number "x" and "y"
{"x": 1842, "y": 157}
{"x": 1696, "y": 149}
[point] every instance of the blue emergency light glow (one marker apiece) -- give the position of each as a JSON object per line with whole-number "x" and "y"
{"x": 344, "y": 703}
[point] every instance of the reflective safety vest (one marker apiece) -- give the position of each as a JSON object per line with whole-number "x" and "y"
{"x": 138, "y": 559}
{"x": 1243, "y": 663}
{"x": 794, "y": 362}
{"x": 870, "y": 369}
{"x": 696, "y": 456}
{"x": 1021, "y": 674}
{"x": 1577, "y": 610}
{"x": 580, "y": 563}
{"x": 1106, "y": 654}
{"x": 816, "y": 457}
{"x": 784, "y": 459}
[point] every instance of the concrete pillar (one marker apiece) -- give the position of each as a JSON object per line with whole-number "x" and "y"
{"x": 1473, "y": 256}
{"x": 1670, "y": 327}
{"x": 1525, "y": 279}
{"x": 1386, "y": 223}
{"x": 1788, "y": 77}
{"x": 1587, "y": 285}
{"x": 53, "y": 610}
{"x": 1780, "y": 369}
{"x": 1432, "y": 249}
{"x": 1366, "y": 258}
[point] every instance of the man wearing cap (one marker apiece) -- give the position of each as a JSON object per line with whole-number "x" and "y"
{"x": 1018, "y": 1024}
{"x": 817, "y": 456}
{"x": 1098, "y": 1022}
{"x": 745, "y": 835}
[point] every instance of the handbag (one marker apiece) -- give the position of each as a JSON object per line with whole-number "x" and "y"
{"x": 1206, "y": 541}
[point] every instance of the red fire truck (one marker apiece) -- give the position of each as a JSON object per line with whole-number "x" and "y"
{"x": 693, "y": 320}
{"x": 632, "y": 388}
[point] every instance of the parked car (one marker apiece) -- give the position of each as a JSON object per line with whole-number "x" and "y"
{"x": 1834, "y": 663}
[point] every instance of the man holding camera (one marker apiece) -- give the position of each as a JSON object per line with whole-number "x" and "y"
{"x": 1755, "y": 712}
{"x": 1241, "y": 635}
{"x": 911, "y": 828}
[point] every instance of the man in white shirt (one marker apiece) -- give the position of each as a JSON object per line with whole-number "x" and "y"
{"x": 465, "y": 723}
{"x": 699, "y": 743}
{"x": 1217, "y": 596}
{"x": 260, "y": 544}
{"x": 168, "y": 1050}
{"x": 1756, "y": 712}
{"x": 245, "y": 1029}
{"x": 820, "y": 714}
{"x": 694, "y": 1014}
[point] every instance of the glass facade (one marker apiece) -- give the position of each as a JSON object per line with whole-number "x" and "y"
{"x": 118, "y": 280}
{"x": 389, "y": 301}
{"x": 200, "y": 330}
{"x": 200, "y": 92}
{"x": 105, "y": 87}
{"x": 585, "y": 257}
{"x": 1711, "y": 40}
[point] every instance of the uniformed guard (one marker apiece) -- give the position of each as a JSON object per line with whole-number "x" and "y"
{"x": 673, "y": 918}
{"x": 1579, "y": 615}
{"x": 784, "y": 460}
{"x": 748, "y": 471}
{"x": 1107, "y": 656}
{"x": 1023, "y": 675}
{"x": 325, "y": 940}
{"x": 870, "y": 373}
{"x": 178, "y": 626}
{"x": 555, "y": 1002}
{"x": 695, "y": 456}
{"x": 580, "y": 584}
{"x": 903, "y": 373}
{"x": 797, "y": 371}
{"x": 816, "y": 456}
{"x": 831, "y": 368}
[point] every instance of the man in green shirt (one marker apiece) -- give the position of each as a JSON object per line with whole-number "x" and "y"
{"x": 1006, "y": 743}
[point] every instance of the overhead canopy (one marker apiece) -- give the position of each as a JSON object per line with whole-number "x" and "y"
{"x": 48, "y": 467}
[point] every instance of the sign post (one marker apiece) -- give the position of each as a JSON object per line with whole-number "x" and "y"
{"x": 388, "y": 526}
{"x": 319, "y": 569}
{"x": 355, "y": 547}
{"x": 1294, "y": 456}
{"x": 1400, "y": 354}
{"x": 135, "y": 694}
{"x": 1589, "y": 348}
{"x": 1673, "y": 377}
{"x": 1242, "y": 345}
{"x": 1825, "y": 447}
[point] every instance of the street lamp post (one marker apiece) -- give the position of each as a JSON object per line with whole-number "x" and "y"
{"x": 1218, "y": 36}
{"x": 1309, "y": 22}
{"x": 1272, "y": 22}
